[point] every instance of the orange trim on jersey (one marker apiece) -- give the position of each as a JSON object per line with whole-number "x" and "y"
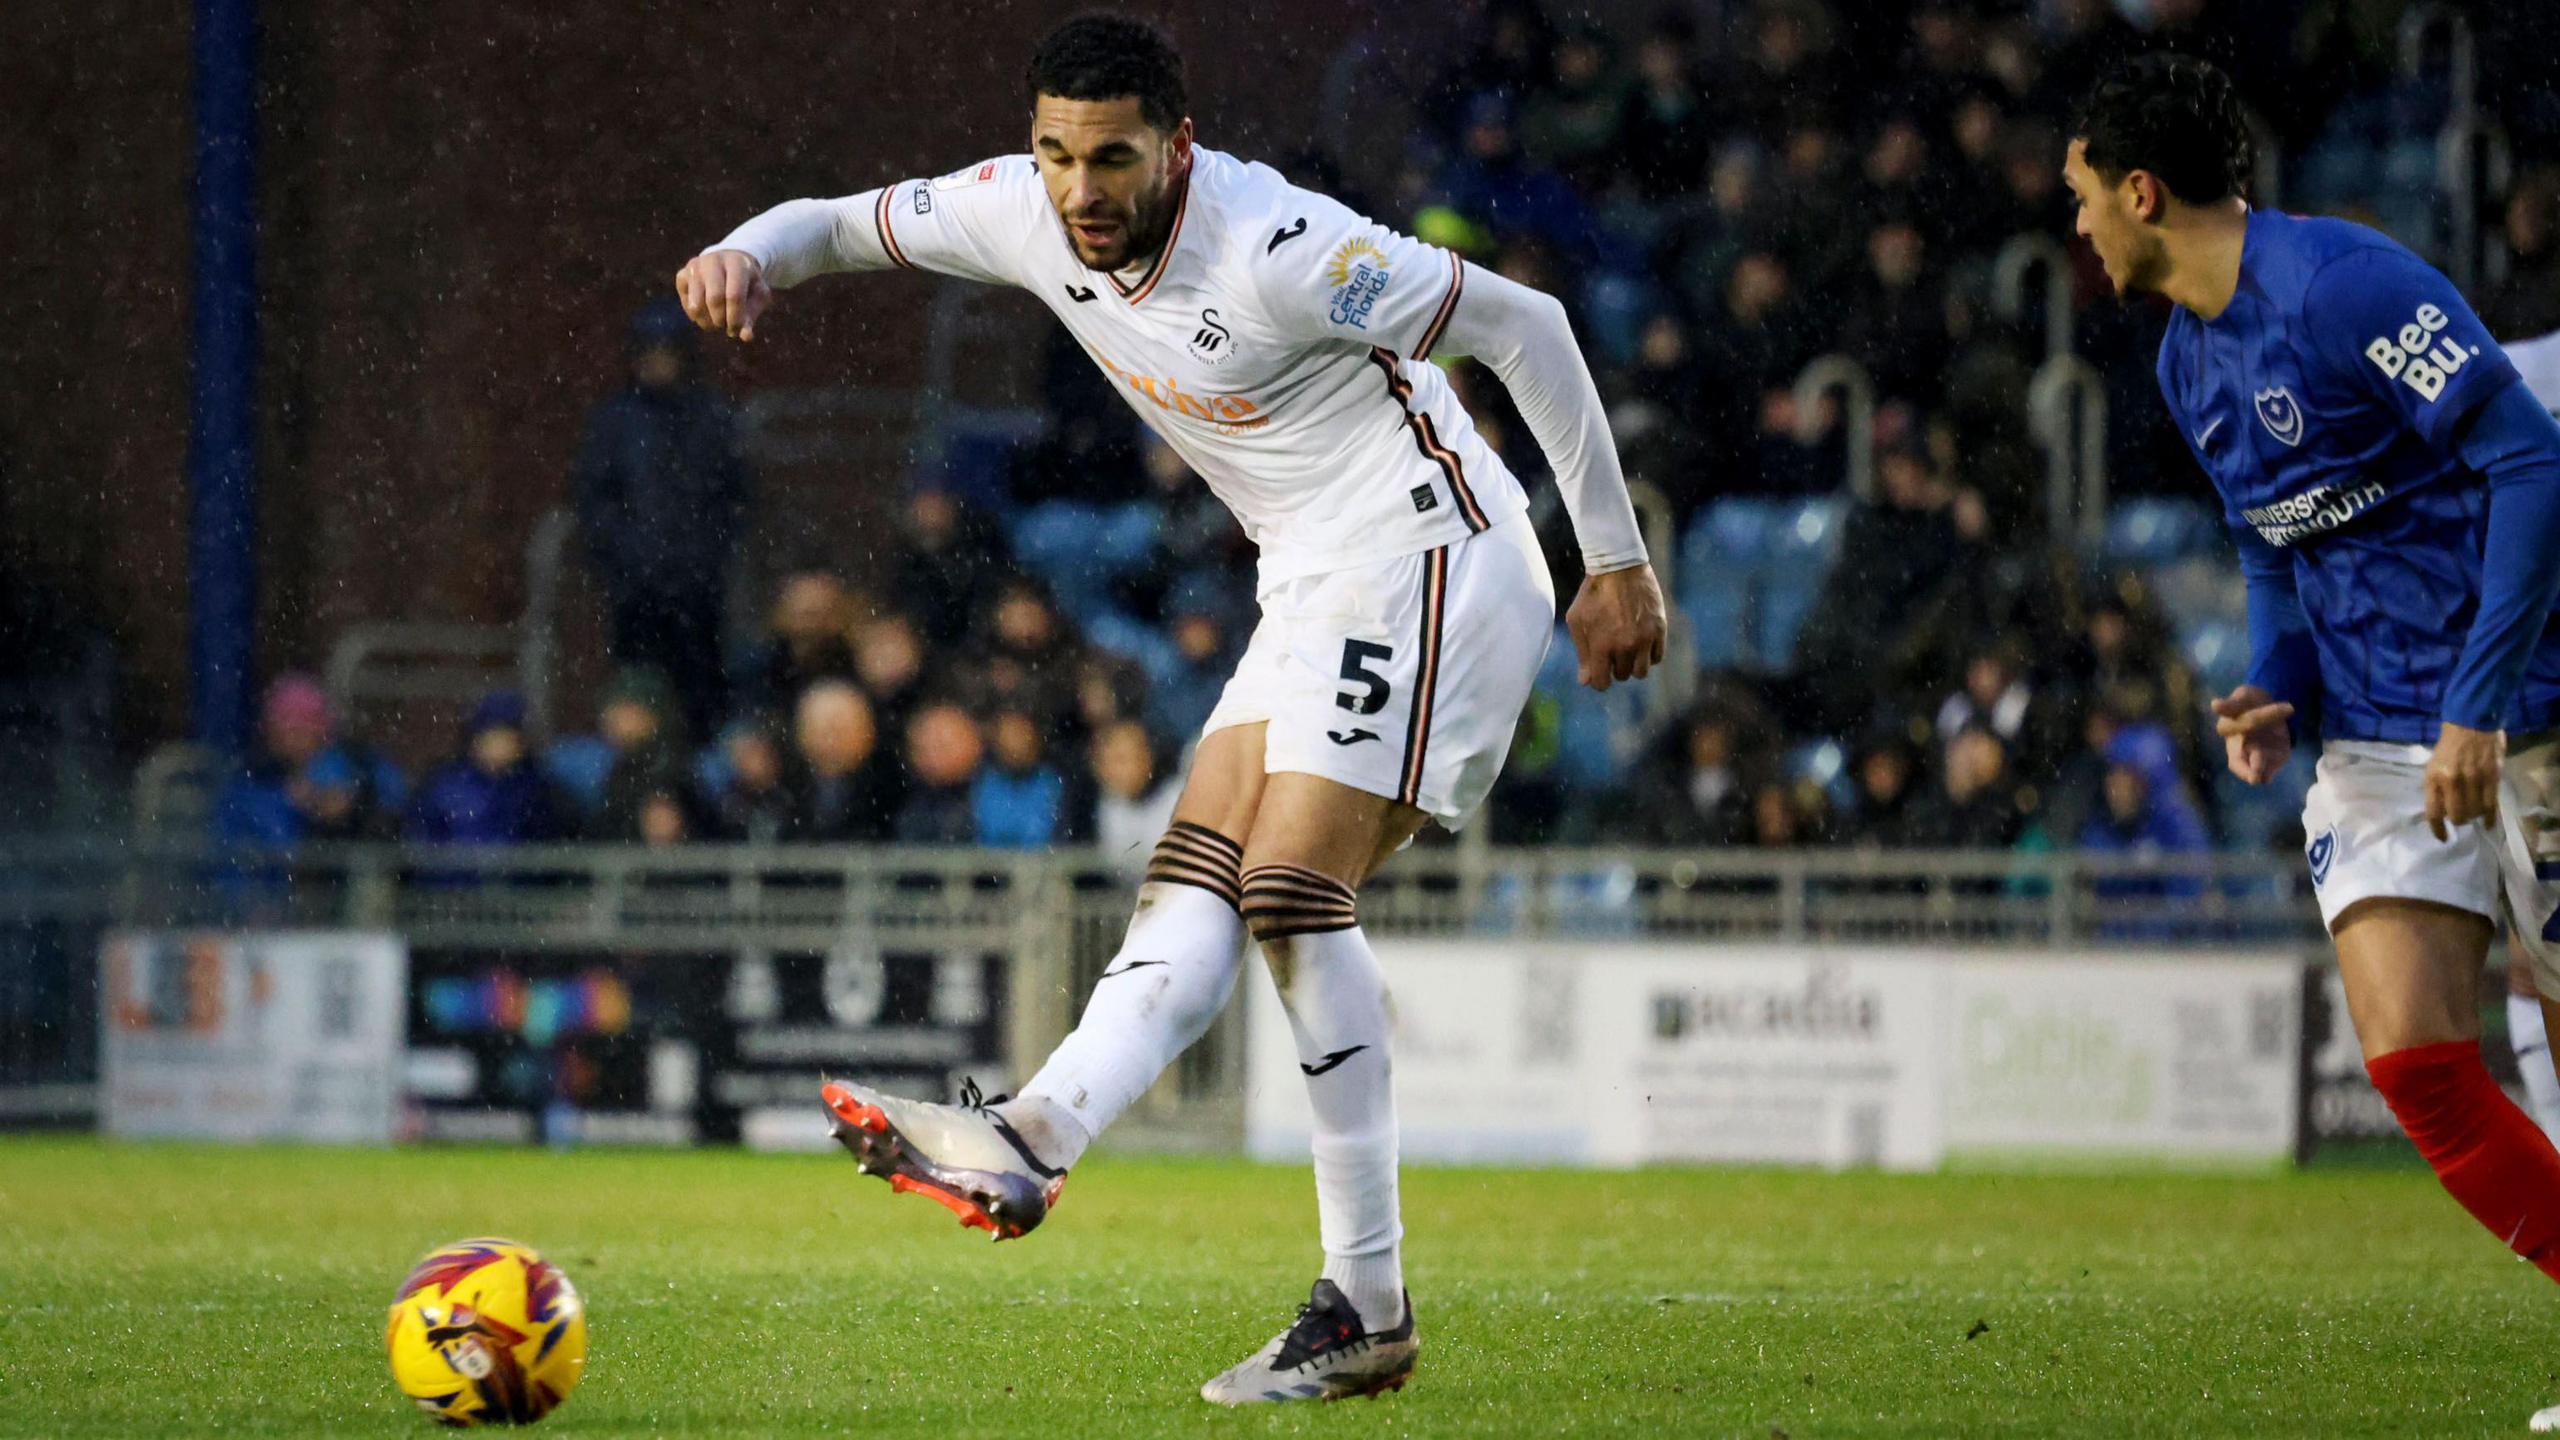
{"x": 1448, "y": 306}
{"x": 1426, "y": 675}
{"x": 1164, "y": 258}
{"x": 1426, "y": 438}
{"x": 880, "y": 222}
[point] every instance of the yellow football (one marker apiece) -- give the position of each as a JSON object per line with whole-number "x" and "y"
{"x": 486, "y": 1332}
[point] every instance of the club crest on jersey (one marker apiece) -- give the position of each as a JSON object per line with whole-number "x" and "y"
{"x": 1211, "y": 344}
{"x": 2323, "y": 853}
{"x": 2281, "y": 414}
{"x": 1358, "y": 274}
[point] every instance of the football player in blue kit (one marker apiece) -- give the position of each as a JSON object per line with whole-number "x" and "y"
{"x": 2394, "y": 489}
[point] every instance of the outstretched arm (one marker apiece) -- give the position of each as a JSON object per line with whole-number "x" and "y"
{"x": 1618, "y": 621}
{"x": 962, "y": 224}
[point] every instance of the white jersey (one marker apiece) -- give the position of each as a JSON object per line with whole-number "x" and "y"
{"x": 2538, "y": 361}
{"x": 1280, "y": 343}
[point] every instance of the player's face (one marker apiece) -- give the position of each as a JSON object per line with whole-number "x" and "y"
{"x": 1111, "y": 176}
{"x": 2110, "y": 219}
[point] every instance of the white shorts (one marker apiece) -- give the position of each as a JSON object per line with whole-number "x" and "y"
{"x": 2365, "y": 825}
{"x": 1403, "y": 678}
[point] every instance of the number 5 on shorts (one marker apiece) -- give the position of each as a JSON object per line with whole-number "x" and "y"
{"x": 1355, "y": 655}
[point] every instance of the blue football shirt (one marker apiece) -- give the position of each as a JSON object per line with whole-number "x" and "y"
{"x": 2324, "y": 404}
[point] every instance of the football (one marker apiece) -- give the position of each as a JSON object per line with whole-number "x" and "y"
{"x": 486, "y": 1332}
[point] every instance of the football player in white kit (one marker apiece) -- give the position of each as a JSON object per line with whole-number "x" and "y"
{"x": 1284, "y": 346}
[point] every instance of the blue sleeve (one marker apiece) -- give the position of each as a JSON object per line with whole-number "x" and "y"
{"x": 2515, "y": 444}
{"x": 2386, "y": 317}
{"x": 2283, "y": 661}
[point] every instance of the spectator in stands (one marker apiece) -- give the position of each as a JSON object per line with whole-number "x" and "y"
{"x": 1666, "y": 135}
{"x": 888, "y": 661}
{"x": 944, "y": 748}
{"x": 1788, "y": 814}
{"x": 1885, "y": 772}
{"x": 1897, "y": 324}
{"x": 2526, "y": 303}
{"x": 807, "y": 641}
{"x": 1999, "y": 695}
{"x": 759, "y": 796}
{"x": 1032, "y": 656}
{"x": 1571, "y": 126}
{"x": 2132, "y": 657}
{"x": 1974, "y": 805}
{"x": 641, "y": 724}
{"x": 490, "y": 792}
{"x": 1019, "y": 800}
{"x": 305, "y": 782}
{"x": 1134, "y": 795}
{"x": 851, "y": 791}
{"x": 2146, "y": 813}
{"x": 1696, "y": 791}
{"x": 1893, "y": 555}
{"x": 1204, "y": 659}
{"x": 946, "y": 559}
{"x": 661, "y": 496}
{"x": 665, "y": 818}
{"x": 1749, "y": 360}
{"x": 1492, "y": 182}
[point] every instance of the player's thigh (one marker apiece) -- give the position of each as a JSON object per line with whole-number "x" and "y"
{"x": 1327, "y": 826}
{"x": 2525, "y": 836}
{"x": 2412, "y": 972}
{"x": 1225, "y": 785}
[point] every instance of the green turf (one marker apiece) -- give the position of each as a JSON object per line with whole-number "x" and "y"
{"x": 181, "y": 1289}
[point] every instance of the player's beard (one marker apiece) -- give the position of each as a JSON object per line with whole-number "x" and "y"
{"x": 2145, "y": 266}
{"x": 1145, "y": 225}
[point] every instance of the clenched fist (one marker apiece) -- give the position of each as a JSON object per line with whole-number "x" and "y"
{"x": 724, "y": 291}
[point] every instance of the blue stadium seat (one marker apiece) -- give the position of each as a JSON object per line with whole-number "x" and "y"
{"x": 1801, "y": 550}
{"x": 1824, "y": 762}
{"x": 1719, "y": 615}
{"x": 2152, "y": 531}
{"x": 2219, "y": 649}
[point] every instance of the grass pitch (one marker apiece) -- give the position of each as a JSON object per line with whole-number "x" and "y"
{"x": 150, "y": 1290}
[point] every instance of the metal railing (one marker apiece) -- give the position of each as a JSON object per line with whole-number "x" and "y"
{"x": 2035, "y": 254}
{"x": 453, "y": 662}
{"x": 1055, "y": 919}
{"x": 1814, "y": 384}
{"x": 2067, "y": 415}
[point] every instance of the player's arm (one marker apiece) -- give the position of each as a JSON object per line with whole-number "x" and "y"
{"x": 2258, "y": 721}
{"x": 953, "y": 226}
{"x": 1618, "y": 620}
{"x": 1357, "y": 281}
{"x": 2414, "y": 344}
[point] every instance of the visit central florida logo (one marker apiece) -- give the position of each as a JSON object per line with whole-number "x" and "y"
{"x": 1358, "y": 273}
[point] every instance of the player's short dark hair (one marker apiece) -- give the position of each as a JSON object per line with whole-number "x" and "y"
{"x": 1102, "y": 56}
{"x": 2175, "y": 116}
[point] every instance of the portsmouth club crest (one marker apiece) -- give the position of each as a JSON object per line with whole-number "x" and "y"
{"x": 2323, "y": 853}
{"x": 2281, "y": 414}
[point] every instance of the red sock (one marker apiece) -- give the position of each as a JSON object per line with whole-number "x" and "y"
{"x": 2489, "y": 1155}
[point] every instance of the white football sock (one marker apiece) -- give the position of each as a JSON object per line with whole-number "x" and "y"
{"x": 2525, "y": 1031}
{"x": 1172, "y": 976}
{"x": 1336, "y": 997}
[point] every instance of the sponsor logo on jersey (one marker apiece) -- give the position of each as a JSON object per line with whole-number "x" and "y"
{"x": 2421, "y": 356}
{"x": 924, "y": 198}
{"x": 1228, "y": 414}
{"x": 1211, "y": 344}
{"x": 1359, "y": 275}
{"x": 962, "y": 179}
{"x": 2323, "y": 853}
{"x": 2315, "y": 511}
{"x": 2281, "y": 414}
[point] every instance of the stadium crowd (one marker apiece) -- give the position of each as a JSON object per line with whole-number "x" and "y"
{"x": 1719, "y": 204}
